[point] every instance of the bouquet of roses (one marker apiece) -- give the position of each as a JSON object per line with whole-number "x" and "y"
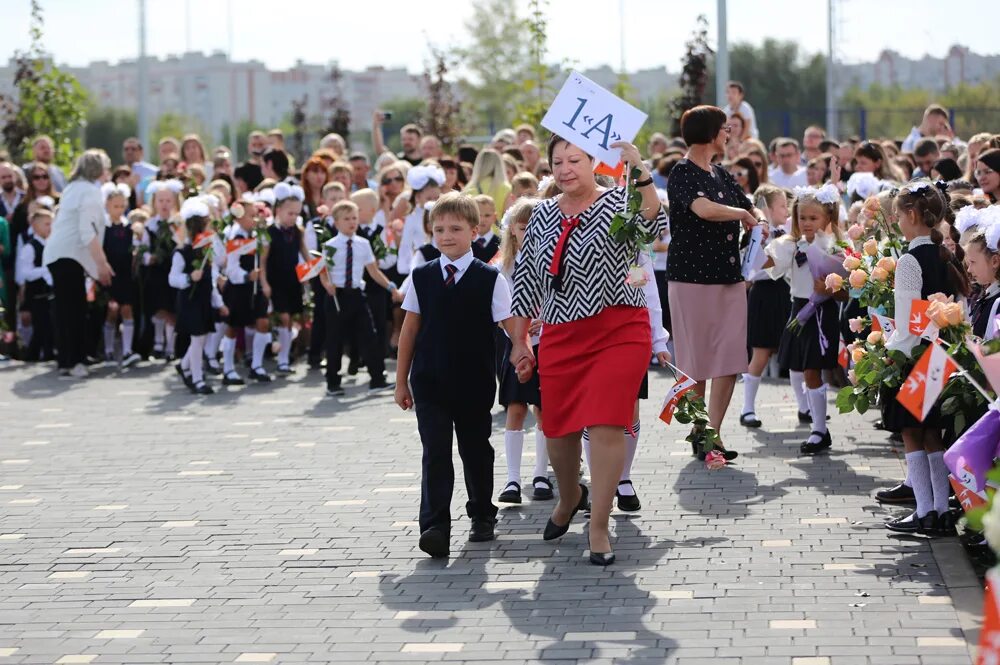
{"x": 826, "y": 267}
{"x": 626, "y": 229}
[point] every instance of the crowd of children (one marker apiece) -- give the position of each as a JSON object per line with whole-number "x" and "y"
{"x": 368, "y": 263}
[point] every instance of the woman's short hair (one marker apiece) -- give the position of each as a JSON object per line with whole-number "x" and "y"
{"x": 555, "y": 140}
{"x": 702, "y": 124}
{"x": 91, "y": 165}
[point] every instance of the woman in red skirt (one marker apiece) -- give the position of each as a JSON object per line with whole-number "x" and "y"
{"x": 596, "y": 345}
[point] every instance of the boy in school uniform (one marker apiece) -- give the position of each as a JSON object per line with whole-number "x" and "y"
{"x": 452, "y": 309}
{"x": 487, "y": 244}
{"x": 37, "y": 282}
{"x": 349, "y": 258}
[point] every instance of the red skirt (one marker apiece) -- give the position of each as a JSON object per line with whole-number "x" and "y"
{"x": 590, "y": 370}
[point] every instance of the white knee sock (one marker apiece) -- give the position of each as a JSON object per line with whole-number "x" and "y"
{"x": 128, "y": 333}
{"x": 194, "y": 355}
{"x": 939, "y": 481}
{"x": 513, "y": 443}
{"x": 817, "y": 408}
{"x": 228, "y": 355}
{"x": 109, "y": 339}
{"x": 260, "y": 342}
{"x": 213, "y": 342}
{"x": 285, "y": 342}
{"x": 920, "y": 474}
{"x": 586, "y": 448}
{"x": 631, "y": 444}
{"x": 541, "y": 455}
{"x": 186, "y": 361}
{"x": 159, "y": 326}
{"x": 248, "y": 336}
{"x": 750, "y": 385}
{"x": 798, "y": 381}
{"x": 170, "y": 338}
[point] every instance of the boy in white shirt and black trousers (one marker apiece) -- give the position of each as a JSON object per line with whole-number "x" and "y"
{"x": 37, "y": 281}
{"x": 349, "y": 257}
{"x": 452, "y": 309}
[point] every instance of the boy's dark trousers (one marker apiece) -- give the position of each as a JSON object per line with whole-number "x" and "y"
{"x": 436, "y": 422}
{"x": 42, "y": 345}
{"x": 351, "y": 321}
{"x": 317, "y": 336}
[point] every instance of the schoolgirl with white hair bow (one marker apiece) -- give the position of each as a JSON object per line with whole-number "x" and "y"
{"x": 159, "y": 297}
{"x": 425, "y": 183}
{"x": 122, "y": 292}
{"x": 982, "y": 260}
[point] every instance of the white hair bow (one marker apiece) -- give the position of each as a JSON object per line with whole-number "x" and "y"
{"x": 194, "y": 207}
{"x": 266, "y": 196}
{"x": 46, "y": 202}
{"x": 419, "y": 176}
{"x": 989, "y": 219}
{"x": 109, "y": 189}
{"x": 967, "y": 218}
{"x": 283, "y": 191}
{"x": 863, "y": 184}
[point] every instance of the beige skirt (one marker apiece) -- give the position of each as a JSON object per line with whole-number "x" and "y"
{"x": 709, "y": 328}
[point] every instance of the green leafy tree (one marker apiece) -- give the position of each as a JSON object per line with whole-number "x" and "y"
{"x": 47, "y": 101}
{"x": 540, "y": 83}
{"x": 442, "y": 116}
{"x": 694, "y": 75}
{"x": 108, "y": 128}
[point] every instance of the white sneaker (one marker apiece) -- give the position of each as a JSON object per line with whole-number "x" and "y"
{"x": 79, "y": 371}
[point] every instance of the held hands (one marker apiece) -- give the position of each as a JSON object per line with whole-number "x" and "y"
{"x": 403, "y": 397}
{"x": 534, "y": 326}
{"x": 523, "y": 360}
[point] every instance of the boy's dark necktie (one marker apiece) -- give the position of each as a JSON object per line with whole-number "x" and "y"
{"x": 451, "y": 269}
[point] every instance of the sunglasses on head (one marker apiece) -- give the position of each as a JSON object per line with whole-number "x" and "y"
{"x": 389, "y": 181}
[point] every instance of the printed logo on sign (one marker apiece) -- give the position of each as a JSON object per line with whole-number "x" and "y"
{"x": 592, "y": 118}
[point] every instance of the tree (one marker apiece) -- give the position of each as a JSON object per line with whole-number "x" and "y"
{"x": 339, "y": 119}
{"x": 297, "y": 145}
{"x": 48, "y": 101}
{"x": 176, "y": 125}
{"x": 108, "y": 128}
{"x": 442, "y": 116}
{"x": 537, "y": 89}
{"x": 497, "y": 60}
{"x": 694, "y": 74}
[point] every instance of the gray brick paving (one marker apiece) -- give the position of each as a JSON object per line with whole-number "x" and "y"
{"x": 281, "y": 524}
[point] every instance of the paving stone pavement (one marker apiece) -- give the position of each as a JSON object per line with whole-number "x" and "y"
{"x": 272, "y": 524}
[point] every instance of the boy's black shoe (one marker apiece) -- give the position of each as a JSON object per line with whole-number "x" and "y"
{"x": 335, "y": 391}
{"x": 435, "y": 542}
{"x": 899, "y": 494}
{"x": 352, "y": 368}
{"x": 510, "y": 494}
{"x": 380, "y": 386}
{"x": 482, "y": 531}
{"x": 912, "y": 524}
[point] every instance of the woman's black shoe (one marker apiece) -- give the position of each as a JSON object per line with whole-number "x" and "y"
{"x": 810, "y": 447}
{"x": 627, "y": 502}
{"x": 696, "y": 444}
{"x": 511, "y": 493}
{"x": 542, "y": 493}
{"x": 913, "y": 524}
{"x": 899, "y": 494}
{"x": 750, "y": 420}
{"x": 553, "y": 530}
{"x": 600, "y": 558}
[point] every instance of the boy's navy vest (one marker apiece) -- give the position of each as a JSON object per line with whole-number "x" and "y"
{"x": 453, "y": 360}
{"x": 38, "y": 288}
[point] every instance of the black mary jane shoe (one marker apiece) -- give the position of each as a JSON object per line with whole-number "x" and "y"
{"x": 946, "y": 525}
{"x": 750, "y": 420}
{"x": 233, "y": 379}
{"x": 925, "y": 525}
{"x": 511, "y": 493}
{"x": 202, "y": 389}
{"x": 901, "y": 493}
{"x": 553, "y": 530}
{"x": 435, "y": 542}
{"x": 600, "y": 558}
{"x": 542, "y": 493}
{"x": 813, "y": 447}
{"x": 482, "y": 531}
{"x": 260, "y": 375}
{"x": 628, "y": 502}
{"x": 185, "y": 377}
{"x": 728, "y": 455}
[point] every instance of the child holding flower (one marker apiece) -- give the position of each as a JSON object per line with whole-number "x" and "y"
{"x": 926, "y": 268}
{"x": 810, "y": 343}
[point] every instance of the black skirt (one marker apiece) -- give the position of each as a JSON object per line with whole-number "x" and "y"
{"x": 769, "y": 303}
{"x": 800, "y": 350}
{"x": 896, "y": 418}
{"x": 244, "y": 307}
{"x": 160, "y": 296}
{"x": 512, "y": 391}
{"x": 195, "y": 315}
{"x": 286, "y": 297}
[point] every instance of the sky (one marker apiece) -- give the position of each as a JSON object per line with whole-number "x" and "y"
{"x": 391, "y": 33}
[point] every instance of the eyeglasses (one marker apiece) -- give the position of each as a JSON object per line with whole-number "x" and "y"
{"x": 389, "y": 181}
{"x": 40, "y": 176}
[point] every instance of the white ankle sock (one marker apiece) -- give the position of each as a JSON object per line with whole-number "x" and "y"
{"x": 541, "y": 455}
{"x": 631, "y": 445}
{"x": 285, "y": 342}
{"x": 171, "y": 337}
{"x": 920, "y": 474}
{"x": 798, "y": 381}
{"x": 159, "y": 327}
{"x": 260, "y": 342}
{"x": 228, "y": 354}
{"x": 817, "y": 408}
{"x": 128, "y": 333}
{"x": 109, "y": 339}
{"x": 751, "y": 384}
{"x": 194, "y": 355}
{"x": 513, "y": 443}
{"x": 939, "y": 481}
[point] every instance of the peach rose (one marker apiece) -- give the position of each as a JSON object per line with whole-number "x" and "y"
{"x": 857, "y": 354}
{"x": 936, "y": 313}
{"x": 834, "y": 282}
{"x": 887, "y": 263}
{"x": 855, "y": 232}
{"x": 939, "y": 297}
{"x": 872, "y": 206}
{"x": 874, "y": 337}
{"x": 858, "y": 278}
{"x": 879, "y": 274}
{"x": 953, "y": 313}
{"x": 871, "y": 247}
{"x": 852, "y": 263}
{"x": 856, "y": 325}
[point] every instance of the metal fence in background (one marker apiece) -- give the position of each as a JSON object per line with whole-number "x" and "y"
{"x": 894, "y": 123}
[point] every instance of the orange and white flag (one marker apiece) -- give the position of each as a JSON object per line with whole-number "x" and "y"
{"x": 843, "y": 357}
{"x": 883, "y": 323}
{"x": 310, "y": 268}
{"x": 241, "y": 246}
{"x": 921, "y": 324}
{"x": 926, "y": 381}
{"x": 203, "y": 239}
{"x": 683, "y": 385}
